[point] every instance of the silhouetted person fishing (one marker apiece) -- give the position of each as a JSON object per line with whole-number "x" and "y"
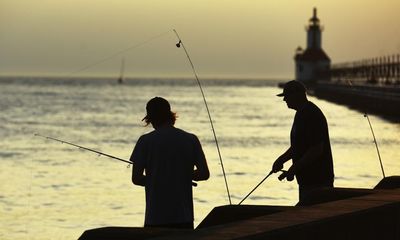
{"x": 166, "y": 161}
{"x": 310, "y": 148}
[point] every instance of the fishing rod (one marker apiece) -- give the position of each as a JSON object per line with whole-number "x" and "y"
{"x": 376, "y": 144}
{"x": 373, "y": 135}
{"x": 91, "y": 150}
{"x": 178, "y": 45}
{"x": 83, "y": 148}
{"x": 269, "y": 174}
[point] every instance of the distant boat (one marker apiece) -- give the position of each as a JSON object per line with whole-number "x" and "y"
{"x": 121, "y": 75}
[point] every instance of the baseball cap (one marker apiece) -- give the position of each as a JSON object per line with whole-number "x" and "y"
{"x": 157, "y": 107}
{"x": 292, "y": 87}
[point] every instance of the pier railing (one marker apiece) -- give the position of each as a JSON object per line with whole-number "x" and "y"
{"x": 381, "y": 70}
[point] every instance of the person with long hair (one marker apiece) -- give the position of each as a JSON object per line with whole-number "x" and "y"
{"x": 166, "y": 161}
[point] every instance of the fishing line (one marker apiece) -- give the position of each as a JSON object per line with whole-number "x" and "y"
{"x": 373, "y": 135}
{"x": 180, "y": 43}
{"x": 119, "y": 53}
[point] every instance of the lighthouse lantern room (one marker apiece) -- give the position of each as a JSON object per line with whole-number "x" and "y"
{"x": 312, "y": 62}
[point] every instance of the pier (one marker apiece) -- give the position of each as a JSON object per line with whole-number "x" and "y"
{"x": 369, "y": 85}
{"x": 380, "y": 71}
{"x": 333, "y": 214}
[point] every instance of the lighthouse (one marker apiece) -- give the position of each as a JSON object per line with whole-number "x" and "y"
{"x": 313, "y": 62}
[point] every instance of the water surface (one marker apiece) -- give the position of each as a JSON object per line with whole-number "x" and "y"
{"x": 54, "y": 191}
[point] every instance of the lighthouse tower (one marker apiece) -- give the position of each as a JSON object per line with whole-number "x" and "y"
{"x": 312, "y": 62}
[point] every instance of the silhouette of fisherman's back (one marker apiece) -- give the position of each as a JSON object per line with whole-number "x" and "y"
{"x": 168, "y": 156}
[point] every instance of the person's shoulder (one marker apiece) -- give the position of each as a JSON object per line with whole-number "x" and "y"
{"x": 314, "y": 111}
{"x": 147, "y": 136}
{"x": 186, "y": 133}
{"x": 183, "y": 132}
{"x": 312, "y": 107}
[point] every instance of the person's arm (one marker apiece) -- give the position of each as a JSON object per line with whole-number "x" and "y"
{"x": 201, "y": 172}
{"x": 314, "y": 131}
{"x": 138, "y": 177}
{"x": 137, "y": 157}
{"x": 278, "y": 164}
{"x": 311, "y": 155}
{"x": 315, "y": 128}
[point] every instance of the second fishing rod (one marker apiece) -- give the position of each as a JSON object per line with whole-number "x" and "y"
{"x": 178, "y": 45}
{"x": 373, "y": 135}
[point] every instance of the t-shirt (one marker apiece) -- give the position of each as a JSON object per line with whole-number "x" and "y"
{"x": 309, "y": 129}
{"x": 168, "y": 156}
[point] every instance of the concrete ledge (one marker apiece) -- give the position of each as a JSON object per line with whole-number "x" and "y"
{"x": 342, "y": 214}
{"x": 372, "y": 216}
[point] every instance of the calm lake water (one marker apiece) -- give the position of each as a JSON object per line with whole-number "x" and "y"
{"x": 51, "y": 190}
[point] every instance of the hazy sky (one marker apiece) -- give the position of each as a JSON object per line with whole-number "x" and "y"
{"x": 242, "y": 38}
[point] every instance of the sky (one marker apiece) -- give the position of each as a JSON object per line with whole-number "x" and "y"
{"x": 224, "y": 38}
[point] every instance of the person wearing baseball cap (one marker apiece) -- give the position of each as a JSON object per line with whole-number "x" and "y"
{"x": 310, "y": 149}
{"x": 166, "y": 161}
{"x": 158, "y": 112}
{"x": 292, "y": 87}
